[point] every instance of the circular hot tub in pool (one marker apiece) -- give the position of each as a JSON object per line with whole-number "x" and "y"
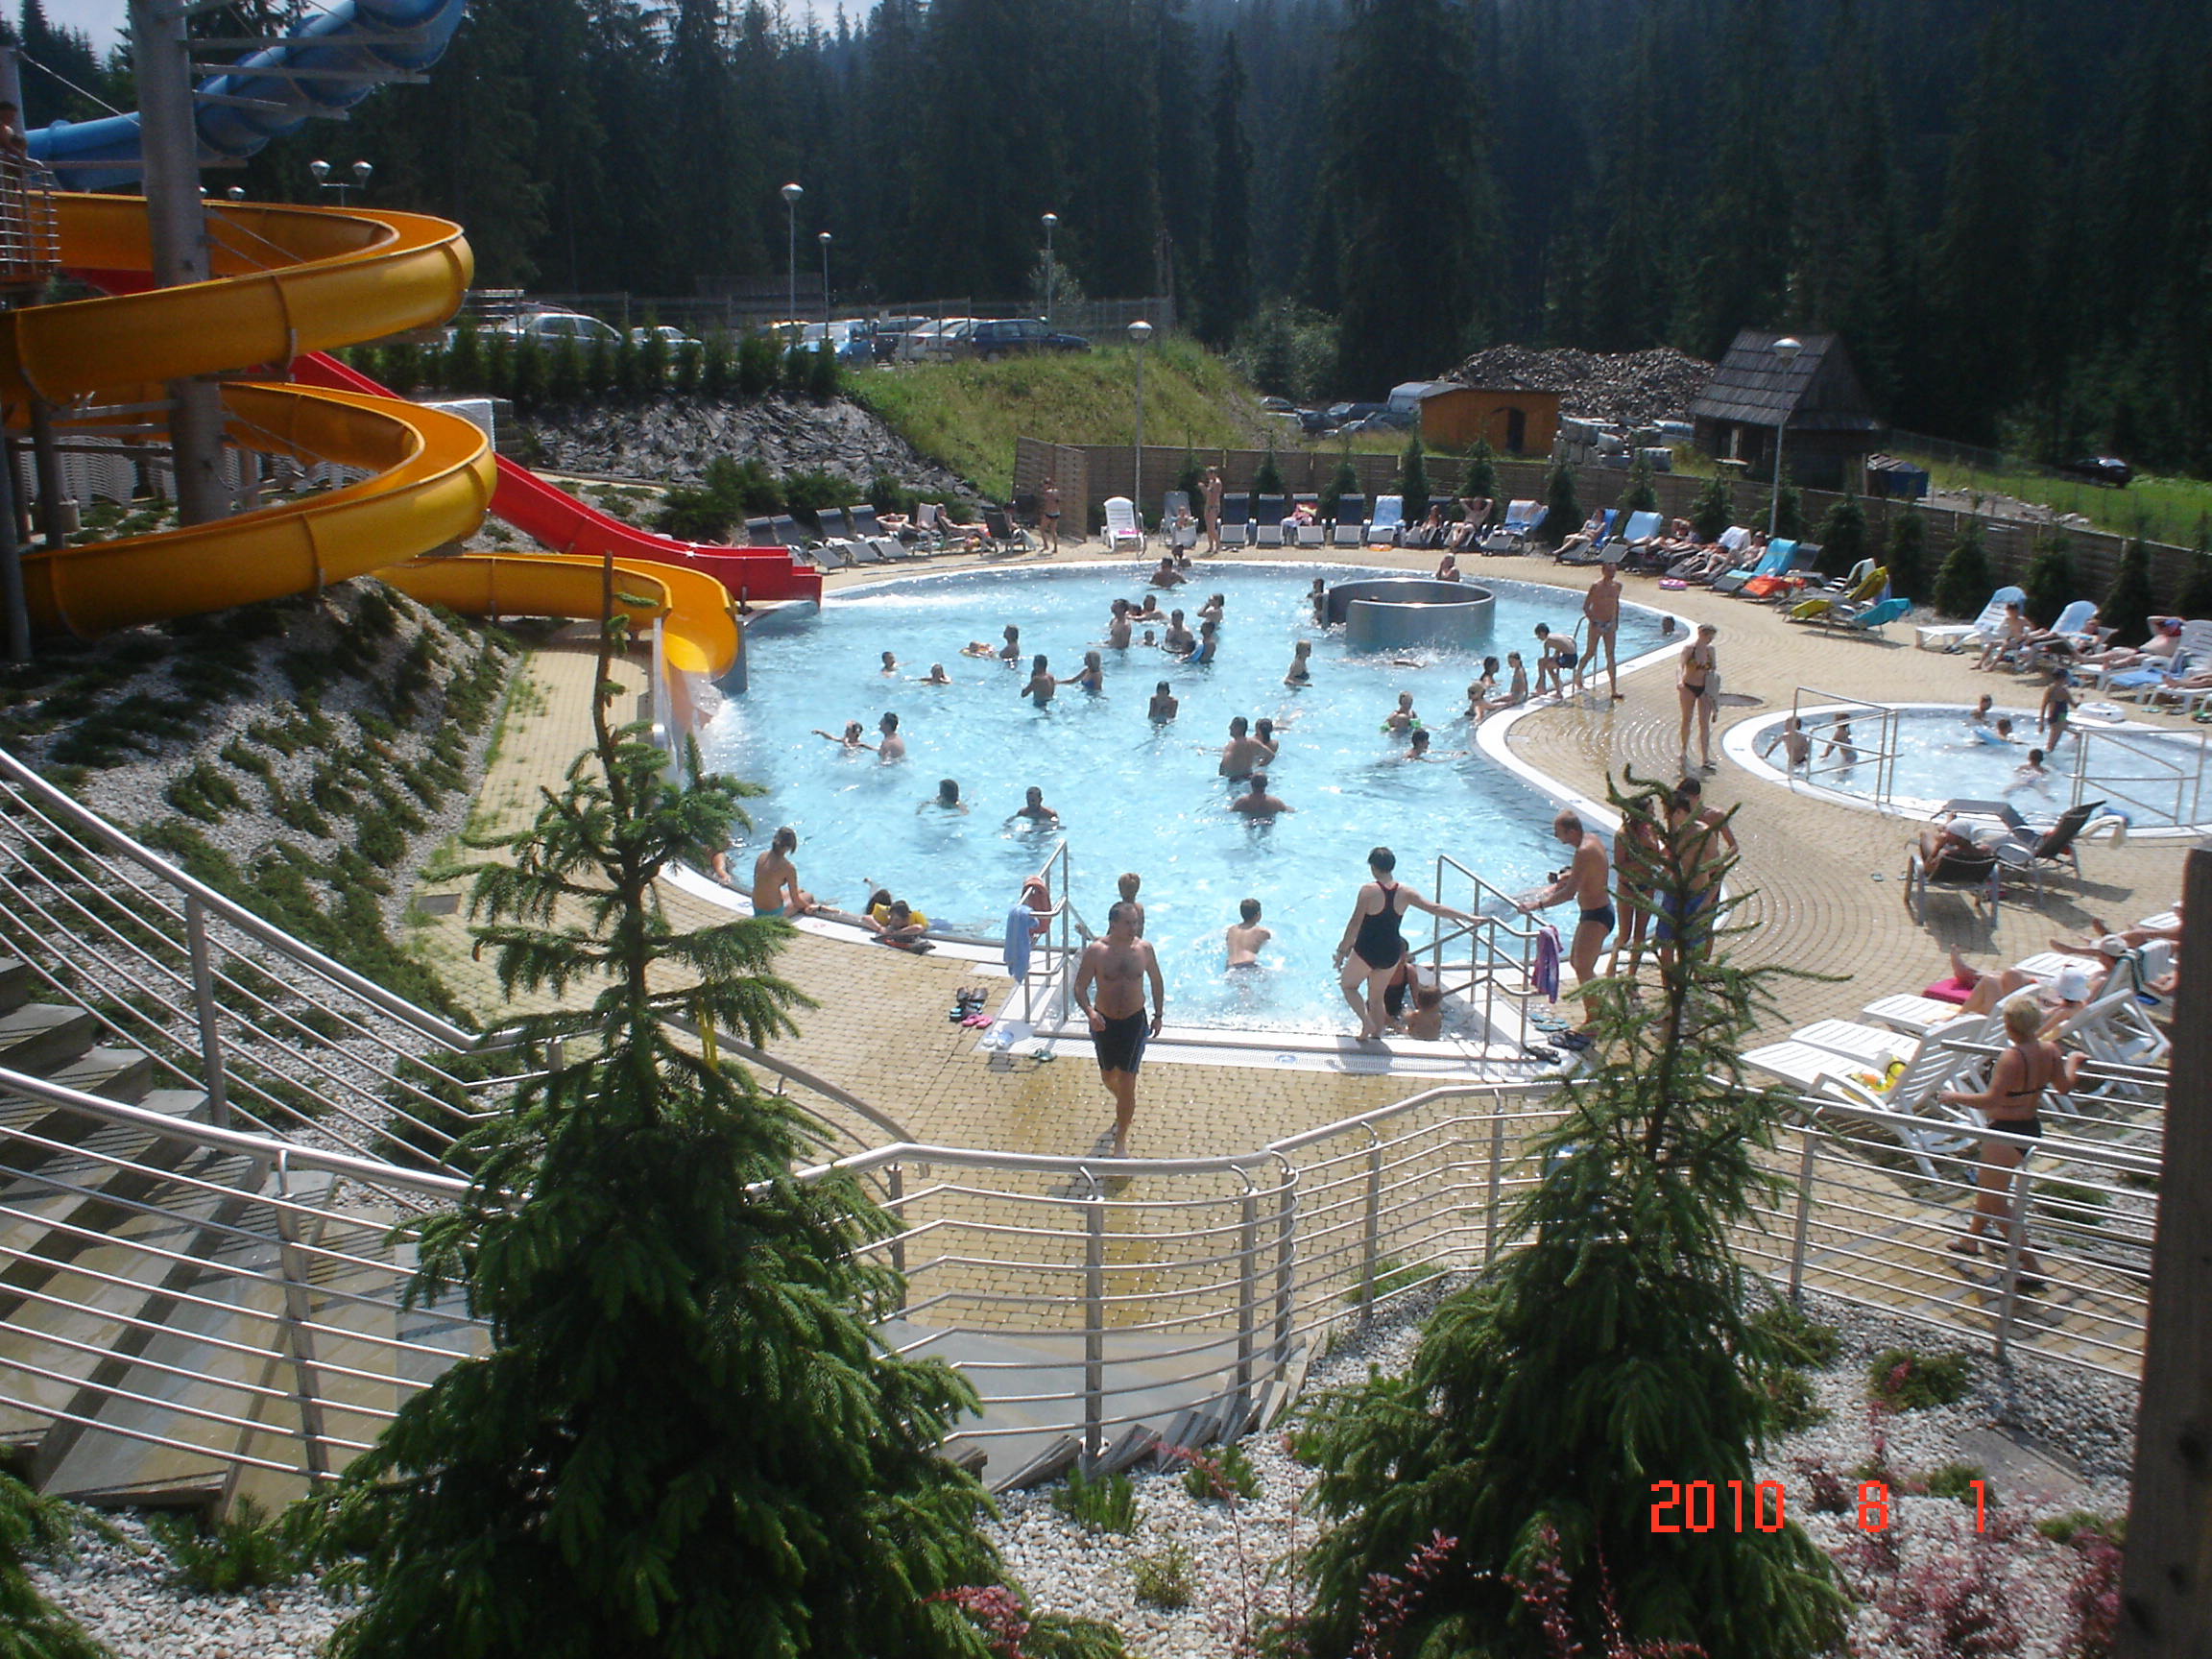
{"x": 1412, "y": 612}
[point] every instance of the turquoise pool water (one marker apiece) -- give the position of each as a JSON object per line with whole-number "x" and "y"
{"x": 1133, "y": 796}
{"x": 2155, "y": 777}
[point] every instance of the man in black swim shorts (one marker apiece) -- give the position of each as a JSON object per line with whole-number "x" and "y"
{"x": 1115, "y": 968}
{"x": 1587, "y": 882}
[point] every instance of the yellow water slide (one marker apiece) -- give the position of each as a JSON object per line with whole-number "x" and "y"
{"x": 699, "y": 637}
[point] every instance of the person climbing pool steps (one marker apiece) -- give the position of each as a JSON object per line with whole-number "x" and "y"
{"x": 1374, "y": 940}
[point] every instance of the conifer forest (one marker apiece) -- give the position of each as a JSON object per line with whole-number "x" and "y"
{"x": 2004, "y": 206}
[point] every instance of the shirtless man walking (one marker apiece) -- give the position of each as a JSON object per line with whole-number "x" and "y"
{"x": 1110, "y": 989}
{"x": 775, "y": 890}
{"x": 1587, "y": 880}
{"x": 1601, "y": 610}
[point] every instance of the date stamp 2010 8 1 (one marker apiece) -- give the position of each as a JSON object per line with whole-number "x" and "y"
{"x": 1694, "y": 1505}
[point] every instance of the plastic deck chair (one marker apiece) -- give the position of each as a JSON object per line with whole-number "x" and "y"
{"x": 1004, "y": 531}
{"x": 1349, "y": 527}
{"x": 1267, "y": 522}
{"x": 832, "y": 520}
{"x": 1772, "y": 562}
{"x": 1123, "y": 534}
{"x": 1864, "y": 590}
{"x": 1867, "y": 619}
{"x": 1970, "y": 872}
{"x": 2054, "y": 849}
{"x": 1512, "y": 533}
{"x": 1636, "y": 536}
{"x": 759, "y": 533}
{"x": 1956, "y": 636}
{"x": 1389, "y": 520}
{"x": 864, "y": 523}
{"x": 1235, "y": 518}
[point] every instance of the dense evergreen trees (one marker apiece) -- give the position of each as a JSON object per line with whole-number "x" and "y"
{"x": 2004, "y": 207}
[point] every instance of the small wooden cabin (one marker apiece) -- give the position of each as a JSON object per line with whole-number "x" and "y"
{"x": 1832, "y": 426}
{"x": 1516, "y": 419}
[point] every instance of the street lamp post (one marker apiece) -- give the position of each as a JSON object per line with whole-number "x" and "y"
{"x": 823, "y": 239}
{"x": 791, "y": 193}
{"x": 1787, "y": 348}
{"x": 361, "y": 170}
{"x": 1139, "y": 332}
{"x": 1049, "y": 221}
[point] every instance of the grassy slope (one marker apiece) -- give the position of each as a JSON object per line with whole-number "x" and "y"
{"x": 967, "y": 415}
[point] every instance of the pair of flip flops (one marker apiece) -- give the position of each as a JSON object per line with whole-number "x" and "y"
{"x": 967, "y": 1008}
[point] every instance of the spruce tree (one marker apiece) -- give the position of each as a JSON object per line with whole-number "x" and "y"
{"x": 682, "y": 1440}
{"x": 1413, "y": 483}
{"x": 1962, "y": 583}
{"x": 1788, "y": 512}
{"x": 1480, "y": 484}
{"x": 1906, "y": 555}
{"x": 1225, "y": 290}
{"x": 1344, "y": 482}
{"x": 2195, "y": 595}
{"x": 1638, "y": 495}
{"x": 1268, "y": 481}
{"x": 2127, "y": 608}
{"x": 1606, "y": 1350}
{"x": 30, "y": 1626}
{"x": 2049, "y": 583}
{"x": 1713, "y": 509}
{"x": 1842, "y": 535}
{"x": 1563, "y": 509}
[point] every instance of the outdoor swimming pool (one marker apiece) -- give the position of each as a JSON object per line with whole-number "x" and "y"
{"x": 1130, "y": 795}
{"x": 2156, "y": 776}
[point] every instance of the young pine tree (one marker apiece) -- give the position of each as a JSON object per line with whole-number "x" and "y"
{"x": 1713, "y": 509}
{"x": 2127, "y": 609}
{"x": 2194, "y": 598}
{"x": 1413, "y": 483}
{"x": 1346, "y": 482}
{"x": 683, "y": 1440}
{"x": 2049, "y": 583}
{"x": 30, "y": 1626}
{"x": 1481, "y": 481}
{"x": 1606, "y": 1350}
{"x": 1788, "y": 513}
{"x": 1963, "y": 583}
{"x": 1842, "y": 535}
{"x": 1268, "y": 481}
{"x": 1906, "y": 555}
{"x": 1639, "y": 494}
{"x": 1563, "y": 514}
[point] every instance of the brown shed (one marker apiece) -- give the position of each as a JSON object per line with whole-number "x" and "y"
{"x": 1516, "y": 419}
{"x": 1832, "y": 423}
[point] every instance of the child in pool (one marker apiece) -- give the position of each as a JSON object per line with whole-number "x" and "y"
{"x": 1300, "y": 666}
{"x": 1402, "y": 719}
{"x": 1518, "y": 691}
{"x": 1480, "y": 693}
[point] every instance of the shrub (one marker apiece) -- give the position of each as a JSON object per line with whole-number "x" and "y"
{"x": 797, "y": 369}
{"x": 690, "y": 363}
{"x": 1906, "y": 555}
{"x": 1905, "y": 1380}
{"x": 1190, "y": 479}
{"x": 1220, "y": 1474}
{"x": 886, "y": 494}
{"x": 530, "y": 374}
{"x": 1713, "y": 509}
{"x": 1345, "y": 482}
{"x": 246, "y": 1552}
{"x": 465, "y": 359}
{"x": 1788, "y": 513}
{"x": 202, "y": 792}
{"x": 1842, "y": 535}
{"x": 1414, "y": 482}
{"x": 2127, "y": 608}
{"x": 1480, "y": 482}
{"x": 1563, "y": 514}
{"x": 1268, "y": 481}
{"x": 1955, "y": 1482}
{"x": 381, "y": 840}
{"x": 822, "y": 372}
{"x": 1103, "y": 1505}
{"x": 1962, "y": 583}
{"x": 33, "y": 1527}
{"x": 2194, "y": 597}
{"x": 1163, "y": 1578}
{"x": 650, "y": 367}
{"x": 717, "y": 367}
{"x": 2065, "y": 1528}
{"x": 1955, "y": 1605}
{"x": 599, "y": 366}
{"x": 2093, "y": 1599}
{"x": 811, "y": 491}
{"x": 2050, "y": 580}
{"x": 1799, "y": 1339}
{"x": 1639, "y": 494}
{"x": 1789, "y": 1395}
{"x": 565, "y": 371}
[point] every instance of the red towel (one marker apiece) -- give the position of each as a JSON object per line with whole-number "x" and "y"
{"x": 1952, "y": 989}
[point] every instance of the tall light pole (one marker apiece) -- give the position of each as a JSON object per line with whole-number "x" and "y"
{"x": 1787, "y": 348}
{"x": 823, "y": 239}
{"x": 1050, "y": 220}
{"x": 791, "y": 193}
{"x": 361, "y": 170}
{"x": 1139, "y": 332}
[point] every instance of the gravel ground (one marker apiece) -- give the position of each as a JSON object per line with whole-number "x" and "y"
{"x": 123, "y": 1592}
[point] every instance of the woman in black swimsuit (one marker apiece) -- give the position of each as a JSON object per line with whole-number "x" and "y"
{"x": 1695, "y": 682}
{"x": 2016, "y": 1085}
{"x": 1374, "y": 941}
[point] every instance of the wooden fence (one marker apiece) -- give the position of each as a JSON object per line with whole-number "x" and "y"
{"x": 1089, "y": 473}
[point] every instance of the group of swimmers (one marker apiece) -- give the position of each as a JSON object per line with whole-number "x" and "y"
{"x": 1983, "y": 728}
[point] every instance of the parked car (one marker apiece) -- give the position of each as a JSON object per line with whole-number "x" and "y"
{"x": 550, "y": 327}
{"x": 2103, "y": 470}
{"x": 675, "y": 339}
{"x": 936, "y": 342}
{"x": 1316, "y": 422}
{"x": 997, "y": 337}
{"x": 890, "y": 331}
{"x": 1345, "y": 414}
{"x": 1278, "y": 405}
{"x": 852, "y": 342}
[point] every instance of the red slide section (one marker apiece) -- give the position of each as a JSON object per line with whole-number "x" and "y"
{"x": 564, "y": 524}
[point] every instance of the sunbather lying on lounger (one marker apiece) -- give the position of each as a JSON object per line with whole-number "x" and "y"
{"x": 2165, "y": 637}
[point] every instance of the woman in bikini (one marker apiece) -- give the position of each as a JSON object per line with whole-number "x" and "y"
{"x": 1374, "y": 941}
{"x": 1093, "y": 679}
{"x": 1695, "y": 685}
{"x": 2018, "y": 1082}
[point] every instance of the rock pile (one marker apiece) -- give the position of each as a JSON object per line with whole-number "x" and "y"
{"x": 1624, "y": 388}
{"x": 670, "y": 440}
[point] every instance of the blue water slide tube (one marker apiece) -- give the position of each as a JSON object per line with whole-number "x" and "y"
{"x": 374, "y": 40}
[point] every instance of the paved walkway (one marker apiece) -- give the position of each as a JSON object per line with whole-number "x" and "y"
{"x": 1823, "y": 881}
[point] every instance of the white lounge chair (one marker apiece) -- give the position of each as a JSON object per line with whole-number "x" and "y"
{"x": 1388, "y": 521}
{"x": 1123, "y": 534}
{"x": 1929, "y": 1068}
{"x": 1522, "y": 518}
{"x": 1958, "y": 636}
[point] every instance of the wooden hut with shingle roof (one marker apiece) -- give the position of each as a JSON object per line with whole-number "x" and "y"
{"x": 1831, "y": 427}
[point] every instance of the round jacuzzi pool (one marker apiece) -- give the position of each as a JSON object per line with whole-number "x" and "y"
{"x": 1132, "y": 795}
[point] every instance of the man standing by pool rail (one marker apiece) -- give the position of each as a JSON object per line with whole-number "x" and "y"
{"x": 1601, "y": 610}
{"x": 1116, "y": 967}
{"x": 1587, "y": 882}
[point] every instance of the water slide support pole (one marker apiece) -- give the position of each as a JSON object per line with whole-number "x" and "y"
{"x": 176, "y": 220}
{"x": 12, "y": 601}
{"x": 46, "y": 461}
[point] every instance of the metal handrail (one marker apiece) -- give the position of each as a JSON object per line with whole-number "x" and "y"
{"x": 2188, "y": 785}
{"x": 1883, "y": 751}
